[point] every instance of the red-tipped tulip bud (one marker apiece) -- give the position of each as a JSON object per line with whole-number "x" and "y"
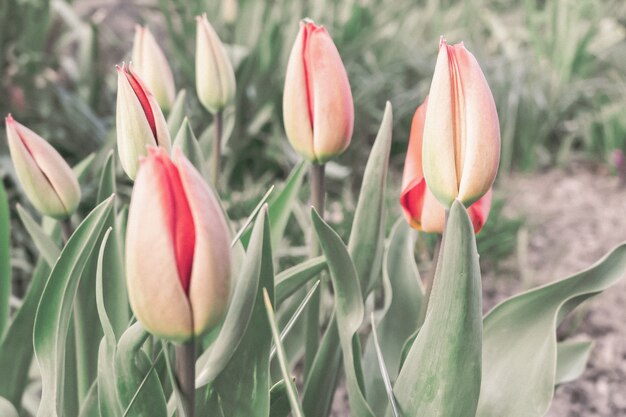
{"x": 140, "y": 122}
{"x": 150, "y": 63}
{"x": 317, "y": 102}
{"x": 461, "y": 131}
{"x": 177, "y": 249}
{"x": 420, "y": 207}
{"x": 215, "y": 77}
{"x": 46, "y": 178}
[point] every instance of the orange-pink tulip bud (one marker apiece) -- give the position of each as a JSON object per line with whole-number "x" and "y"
{"x": 152, "y": 66}
{"x": 420, "y": 207}
{"x": 139, "y": 120}
{"x": 177, "y": 249}
{"x": 48, "y": 181}
{"x": 317, "y": 102}
{"x": 461, "y": 148}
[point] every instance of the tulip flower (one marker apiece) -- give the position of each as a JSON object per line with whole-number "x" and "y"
{"x": 48, "y": 181}
{"x": 150, "y": 64}
{"x": 215, "y": 77}
{"x": 420, "y": 207}
{"x": 139, "y": 120}
{"x": 177, "y": 249}
{"x": 461, "y": 148}
{"x": 317, "y": 102}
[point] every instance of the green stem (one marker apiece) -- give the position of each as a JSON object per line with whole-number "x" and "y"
{"x": 216, "y": 156}
{"x": 318, "y": 191}
{"x": 186, "y": 375}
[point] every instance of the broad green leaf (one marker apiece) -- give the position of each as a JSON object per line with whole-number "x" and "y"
{"x": 349, "y": 311}
{"x": 5, "y": 259}
{"x": 247, "y": 373}
{"x": 441, "y": 374}
{"x": 292, "y": 392}
{"x": 251, "y": 217}
{"x": 291, "y": 280}
{"x": 16, "y": 346}
{"x": 520, "y": 348}
{"x": 44, "y": 243}
{"x": 383, "y": 371}
{"x": 106, "y": 186}
{"x": 213, "y": 361}
{"x": 186, "y": 141}
{"x": 138, "y": 386}
{"x": 279, "y": 400}
{"x": 367, "y": 237}
{"x": 7, "y": 409}
{"x": 55, "y": 308}
{"x": 399, "y": 317}
{"x": 89, "y": 407}
{"x": 572, "y": 357}
{"x": 82, "y": 168}
{"x": 177, "y": 113}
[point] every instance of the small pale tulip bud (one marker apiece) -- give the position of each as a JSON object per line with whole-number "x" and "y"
{"x": 215, "y": 77}
{"x": 46, "y": 178}
{"x": 150, "y": 63}
{"x": 461, "y": 148}
{"x": 177, "y": 249}
{"x": 140, "y": 122}
{"x": 420, "y": 207}
{"x": 317, "y": 102}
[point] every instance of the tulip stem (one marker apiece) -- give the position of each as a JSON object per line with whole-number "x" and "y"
{"x": 216, "y": 156}
{"x": 313, "y": 311}
{"x": 430, "y": 277}
{"x": 186, "y": 375}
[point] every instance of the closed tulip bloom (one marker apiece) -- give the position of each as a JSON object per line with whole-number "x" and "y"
{"x": 177, "y": 249}
{"x": 140, "y": 122}
{"x": 215, "y": 77}
{"x": 317, "y": 101}
{"x": 461, "y": 148}
{"x": 420, "y": 207}
{"x": 150, "y": 63}
{"x": 47, "y": 180}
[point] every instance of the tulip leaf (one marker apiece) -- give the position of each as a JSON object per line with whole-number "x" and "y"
{"x": 186, "y": 141}
{"x": 16, "y": 346}
{"x": 368, "y": 228}
{"x": 177, "y": 113}
{"x": 55, "y": 308}
{"x": 7, "y": 409}
{"x": 383, "y": 370}
{"x": 5, "y": 259}
{"x": 138, "y": 386}
{"x": 89, "y": 407}
{"x": 400, "y": 314}
{"x": 520, "y": 347}
{"x": 247, "y": 374}
{"x": 107, "y": 186}
{"x": 213, "y": 361}
{"x": 251, "y": 217}
{"x": 44, "y": 243}
{"x": 292, "y": 392}
{"x": 572, "y": 357}
{"x": 291, "y": 280}
{"x": 279, "y": 400}
{"x": 82, "y": 168}
{"x": 349, "y": 311}
{"x": 442, "y": 372}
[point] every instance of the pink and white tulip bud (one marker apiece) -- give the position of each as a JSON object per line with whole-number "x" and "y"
{"x": 140, "y": 122}
{"x": 420, "y": 207}
{"x": 47, "y": 180}
{"x": 215, "y": 77}
{"x": 461, "y": 148}
{"x": 150, "y": 63}
{"x": 177, "y": 249}
{"x": 317, "y": 102}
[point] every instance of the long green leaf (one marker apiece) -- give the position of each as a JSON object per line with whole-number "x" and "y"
{"x": 399, "y": 316}
{"x": 186, "y": 141}
{"x": 291, "y": 280}
{"x": 5, "y": 259}
{"x": 572, "y": 357}
{"x": 442, "y": 372}
{"x": 55, "y": 308}
{"x": 7, "y": 409}
{"x": 44, "y": 243}
{"x": 349, "y": 311}
{"x": 520, "y": 348}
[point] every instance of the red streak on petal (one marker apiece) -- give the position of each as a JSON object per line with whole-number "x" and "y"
{"x": 179, "y": 218}
{"x": 143, "y": 99}
{"x": 306, "y": 59}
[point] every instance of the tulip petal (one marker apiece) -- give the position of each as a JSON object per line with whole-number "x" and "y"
{"x": 479, "y": 211}
{"x": 151, "y": 264}
{"x": 296, "y": 111}
{"x": 333, "y": 109}
{"x": 210, "y": 280}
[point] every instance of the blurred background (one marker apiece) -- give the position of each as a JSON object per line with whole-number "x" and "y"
{"x": 557, "y": 70}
